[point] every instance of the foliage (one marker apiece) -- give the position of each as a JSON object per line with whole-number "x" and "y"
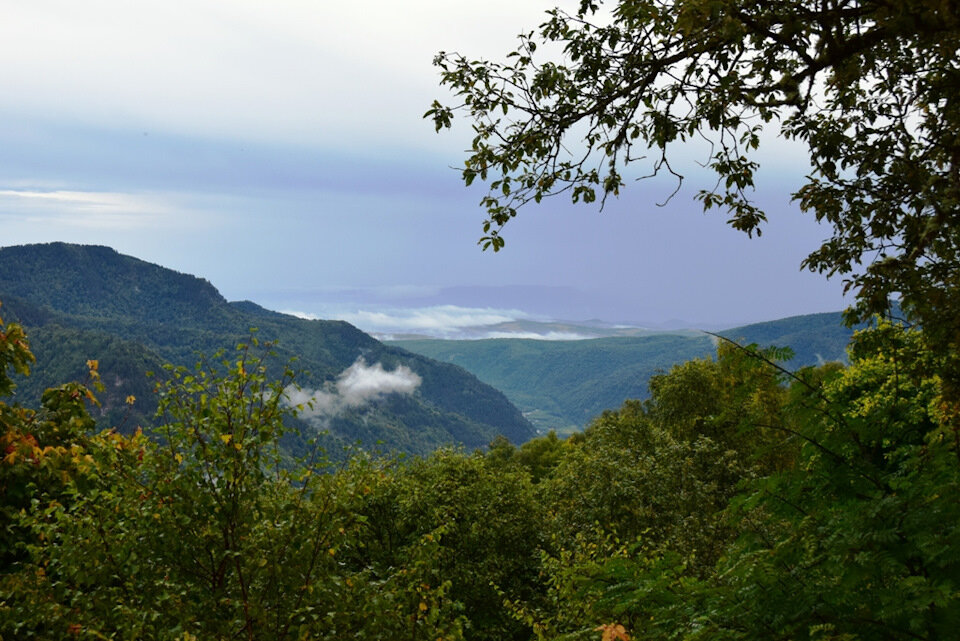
{"x": 202, "y": 533}
{"x": 41, "y": 451}
{"x": 208, "y": 531}
{"x": 538, "y": 457}
{"x": 665, "y": 469}
{"x": 860, "y": 548}
{"x": 843, "y": 539}
{"x": 637, "y": 506}
{"x": 14, "y": 354}
{"x": 740, "y": 501}
{"x": 869, "y": 88}
{"x": 484, "y": 522}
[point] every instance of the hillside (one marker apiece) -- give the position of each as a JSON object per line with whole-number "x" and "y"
{"x": 83, "y": 302}
{"x": 814, "y": 338}
{"x": 564, "y": 384}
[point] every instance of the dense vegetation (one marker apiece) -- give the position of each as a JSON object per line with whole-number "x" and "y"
{"x": 81, "y": 302}
{"x": 563, "y": 385}
{"x": 739, "y": 501}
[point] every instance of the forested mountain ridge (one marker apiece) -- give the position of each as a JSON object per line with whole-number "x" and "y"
{"x": 814, "y": 338}
{"x": 86, "y": 302}
{"x": 566, "y": 383}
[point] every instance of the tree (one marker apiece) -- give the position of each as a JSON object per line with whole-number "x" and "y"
{"x": 42, "y": 451}
{"x": 841, "y": 541}
{"x": 666, "y": 468}
{"x": 205, "y": 530}
{"x": 483, "y": 526}
{"x": 210, "y": 530}
{"x": 852, "y": 543}
{"x": 638, "y": 507}
{"x": 870, "y": 87}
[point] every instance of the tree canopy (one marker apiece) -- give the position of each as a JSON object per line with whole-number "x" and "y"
{"x": 870, "y": 87}
{"x": 741, "y": 501}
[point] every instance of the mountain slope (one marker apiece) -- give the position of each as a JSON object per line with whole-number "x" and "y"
{"x": 564, "y": 384}
{"x": 81, "y": 302}
{"x": 814, "y": 338}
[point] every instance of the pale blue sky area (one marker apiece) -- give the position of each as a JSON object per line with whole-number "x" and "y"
{"x": 277, "y": 149}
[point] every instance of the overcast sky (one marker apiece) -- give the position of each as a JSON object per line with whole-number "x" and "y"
{"x": 278, "y": 150}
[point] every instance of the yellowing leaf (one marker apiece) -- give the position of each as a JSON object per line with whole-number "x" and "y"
{"x": 423, "y": 606}
{"x": 131, "y": 399}
{"x": 613, "y": 632}
{"x": 226, "y": 438}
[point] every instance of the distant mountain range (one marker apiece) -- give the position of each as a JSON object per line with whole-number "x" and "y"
{"x": 563, "y": 384}
{"x": 90, "y": 302}
{"x": 539, "y": 330}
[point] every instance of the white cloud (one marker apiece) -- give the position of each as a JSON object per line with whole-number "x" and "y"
{"x": 358, "y": 385}
{"x": 108, "y": 210}
{"x": 546, "y": 336}
{"x": 440, "y": 320}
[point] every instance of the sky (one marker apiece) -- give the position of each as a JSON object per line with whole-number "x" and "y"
{"x": 279, "y": 151}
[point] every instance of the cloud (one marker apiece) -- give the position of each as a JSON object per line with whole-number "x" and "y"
{"x": 546, "y": 336}
{"x": 356, "y": 386}
{"x": 87, "y": 209}
{"x": 440, "y": 320}
{"x": 298, "y": 69}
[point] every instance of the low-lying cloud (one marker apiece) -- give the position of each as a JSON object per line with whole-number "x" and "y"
{"x": 441, "y": 321}
{"x": 356, "y": 386}
{"x": 545, "y": 336}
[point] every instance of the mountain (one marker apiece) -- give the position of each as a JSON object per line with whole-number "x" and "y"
{"x": 90, "y": 302}
{"x": 814, "y": 338}
{"x": 563, "y": 384}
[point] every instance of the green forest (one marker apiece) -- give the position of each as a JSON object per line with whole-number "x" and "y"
{"x": 563, "y": 385}
{"x": 739, "y": 501}
{"x": 742, "y": 500}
